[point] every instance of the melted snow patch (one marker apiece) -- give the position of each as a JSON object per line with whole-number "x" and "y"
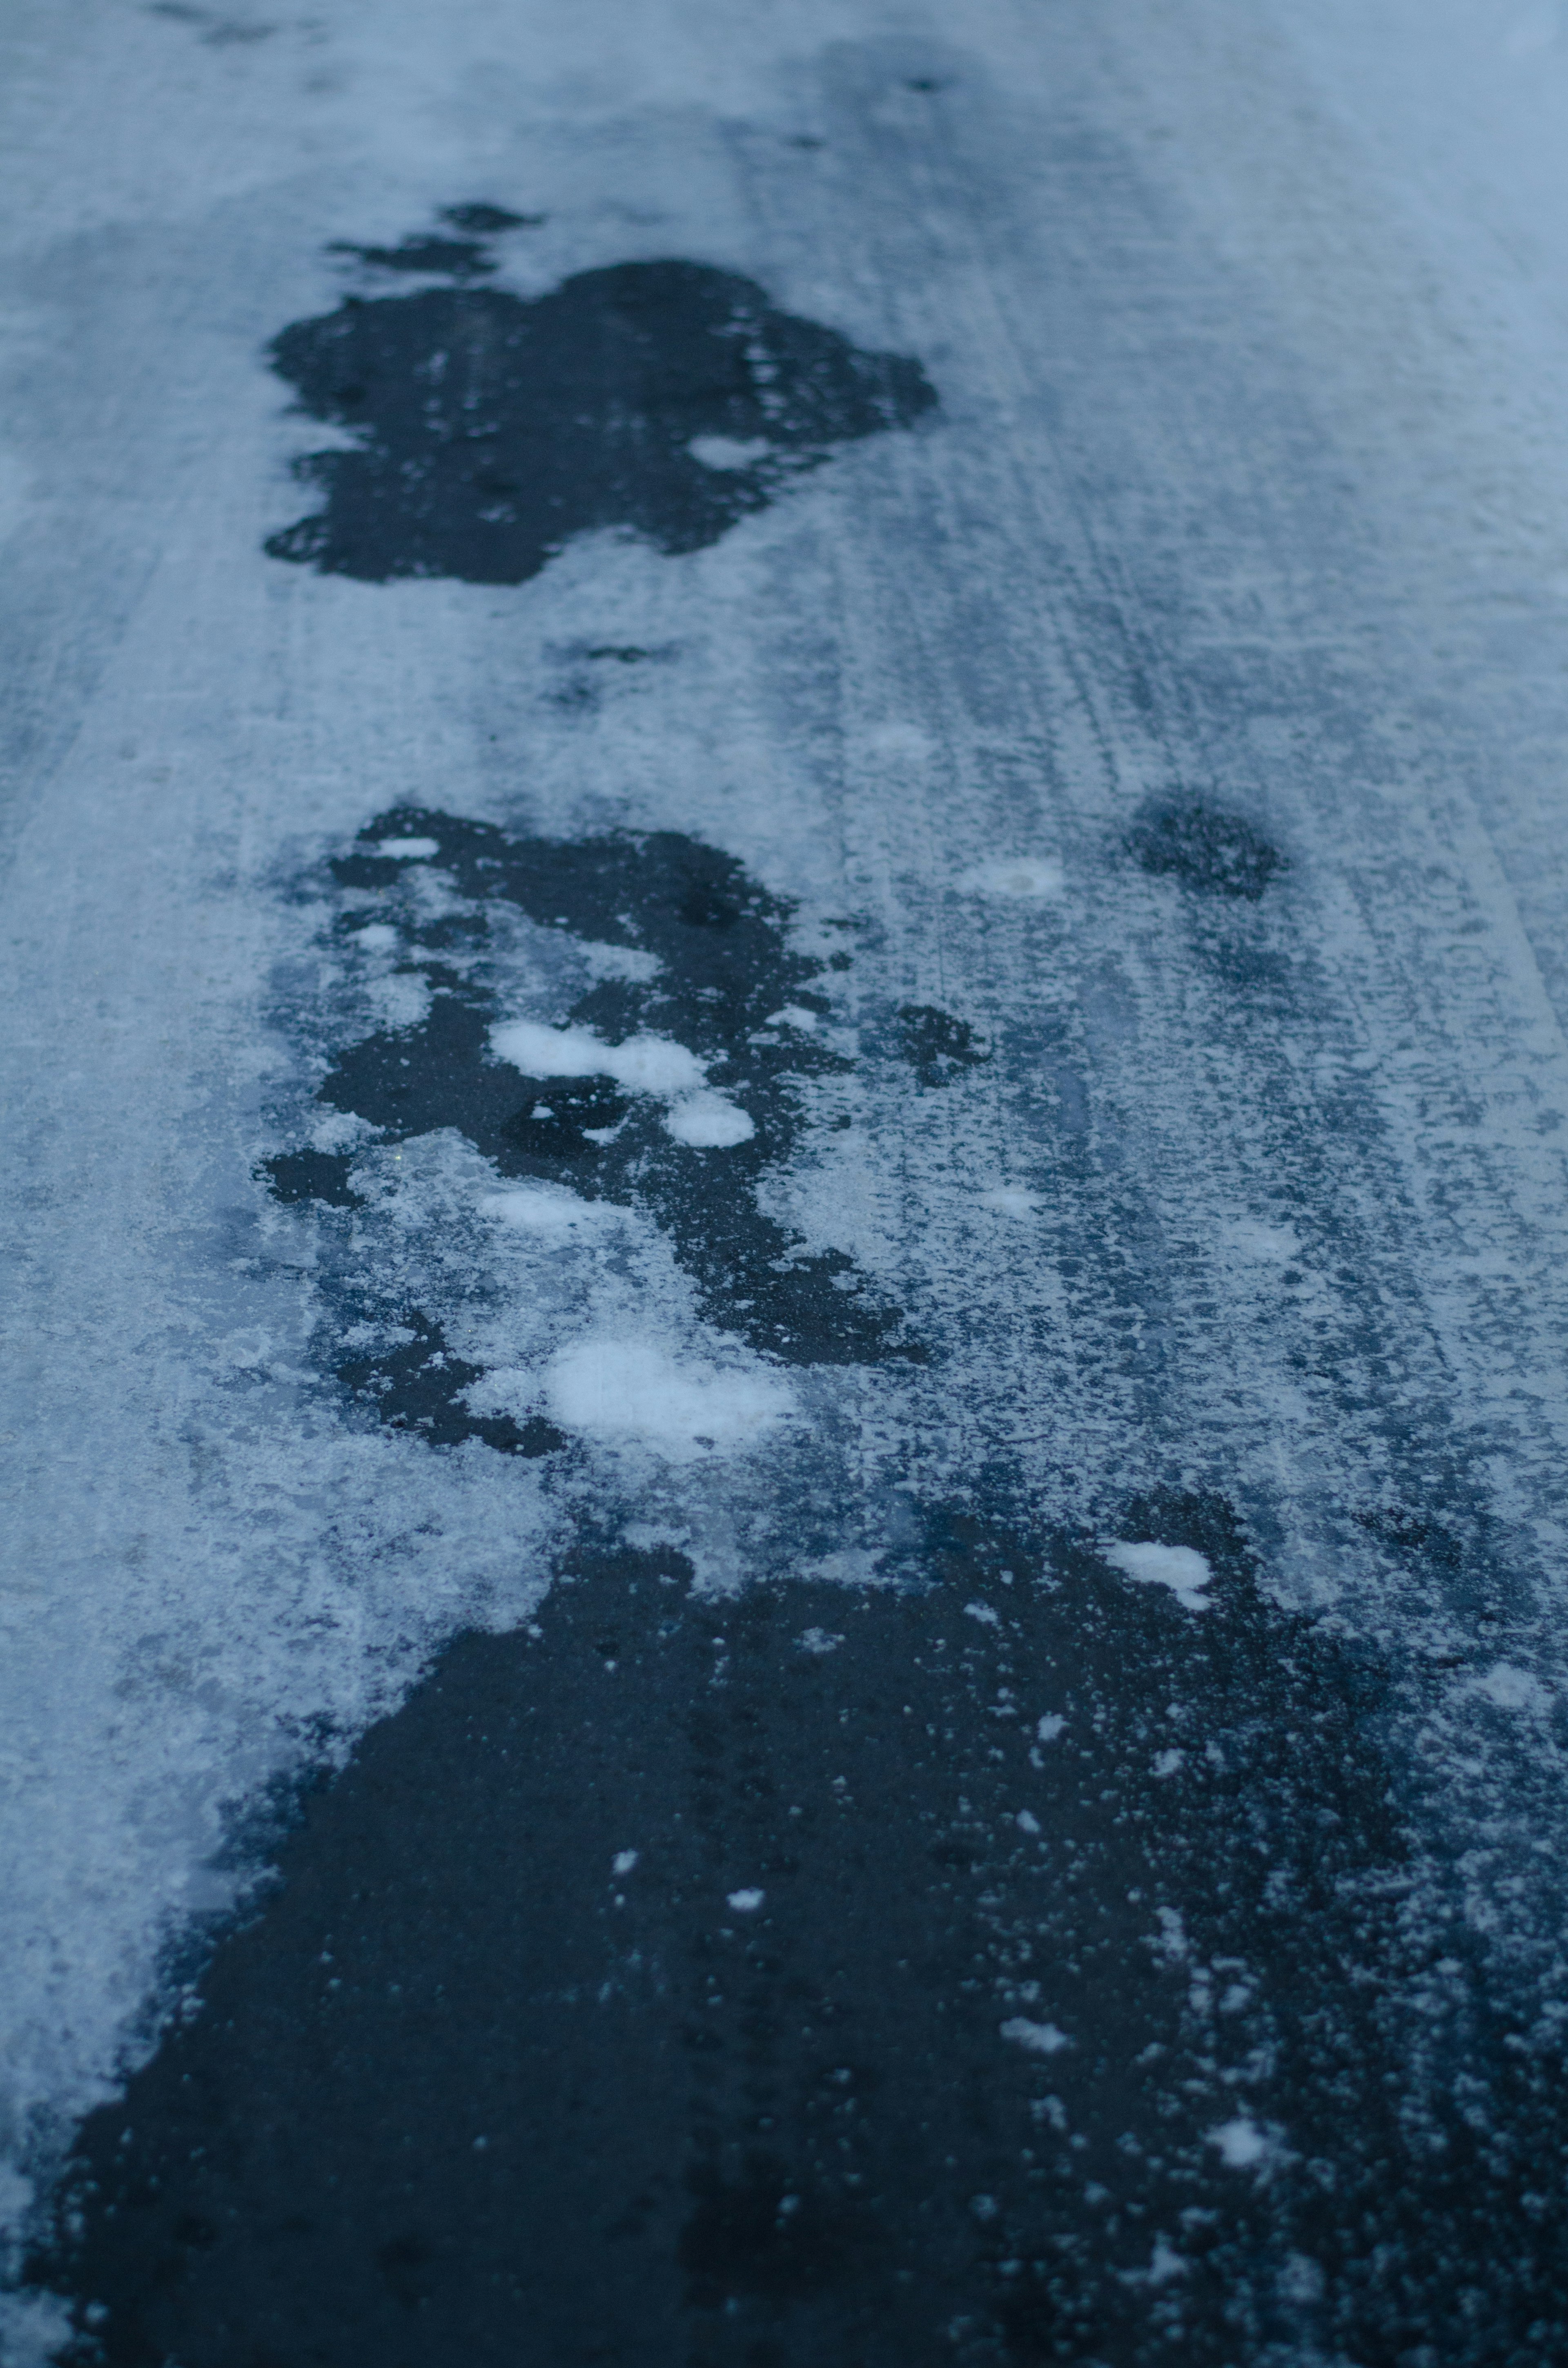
{"x": 1184, "y": 1571}
{"x": 1027, "y": 877}
{"x": 630, "y": 1393}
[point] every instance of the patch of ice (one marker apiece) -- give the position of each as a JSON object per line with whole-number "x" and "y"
{"x": 728, "y": 452}
{"x": 643, "y": 1065}
{"x": 1241, "y": 2143}
{"x": 1051, "y": 1726}
{"x": 409, "y": 850}
{"x": 629, "y": 1392}
{"x": 985, "y": 1614}
{"x": 623, "y": 1861}
{"x": 818, "y": 1640}
{"x": 792, "y": 1015}
{"x": 1184, "y": 1572}
{"x": 1027, "y": 1822}
{"x": 707, "y": 1121}
{"x": 377, "y": 937}
{"x": 1039, "y": 2038}
{"x": 746, "y": 1903}
{"x": 1164, "y": 2264}
{"x": 1019, "y": 876}
{"x": 1166, "y": 1763}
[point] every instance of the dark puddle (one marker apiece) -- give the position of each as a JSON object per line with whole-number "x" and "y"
{"x": 492, "y": 428}
{"x": 725, "y": 969}
{"x": 756, "y": 1984}
{"x": 1206, "y": 849}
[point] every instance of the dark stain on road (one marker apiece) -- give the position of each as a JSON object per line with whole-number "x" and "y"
{"x": 490, "y": 428}
{"x": 1010, "y": 1967}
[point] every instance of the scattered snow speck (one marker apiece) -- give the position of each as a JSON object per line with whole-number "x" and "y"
{"x": 1241, "y": 2143}
{"x": 1051, "y": 1726}
{"x": 746, "y": 1903}
{"x": 818, "y": 1640}
{"x": 1018, "y": 876}
{"x": 1164, "y": 2264}
{"x": 983, "y": 1613}
{"x": 1167, "y": 1762}
{"x": 629, "y": 1392}
{"x": 623, "y": 1861}
{"x": 1184, "y": 1571}
{"x": 1039, "y": 2038}
{"x": 643, "y": 1065}
{"x": 708, "y": 1122}
{"x": 1028, "y": 1822}
{"x": 728, "y": 452}
{"x": 409, "y": 850}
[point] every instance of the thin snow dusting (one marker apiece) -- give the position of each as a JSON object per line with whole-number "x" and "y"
{"x": 1216, "y": 578}
{"x": 1020, "y": 878}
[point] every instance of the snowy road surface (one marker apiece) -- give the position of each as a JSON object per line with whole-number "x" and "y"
{"x": 786, "y": 946}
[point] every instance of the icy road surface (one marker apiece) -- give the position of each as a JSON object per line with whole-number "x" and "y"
{"x": 785, "y": 954}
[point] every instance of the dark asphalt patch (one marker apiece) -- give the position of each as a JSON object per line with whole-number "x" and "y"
{"x": 487, "y": 221}
{"x": 1015, "y": 1967}
{"x": 1206, "y": 849}
{"x": 937, "y": 1047}
{"x": 491, "y": 429}
{"x": 724, "y": 975}
{"x": 296, "y": 1176}
{"x": 415, "y": 1383}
